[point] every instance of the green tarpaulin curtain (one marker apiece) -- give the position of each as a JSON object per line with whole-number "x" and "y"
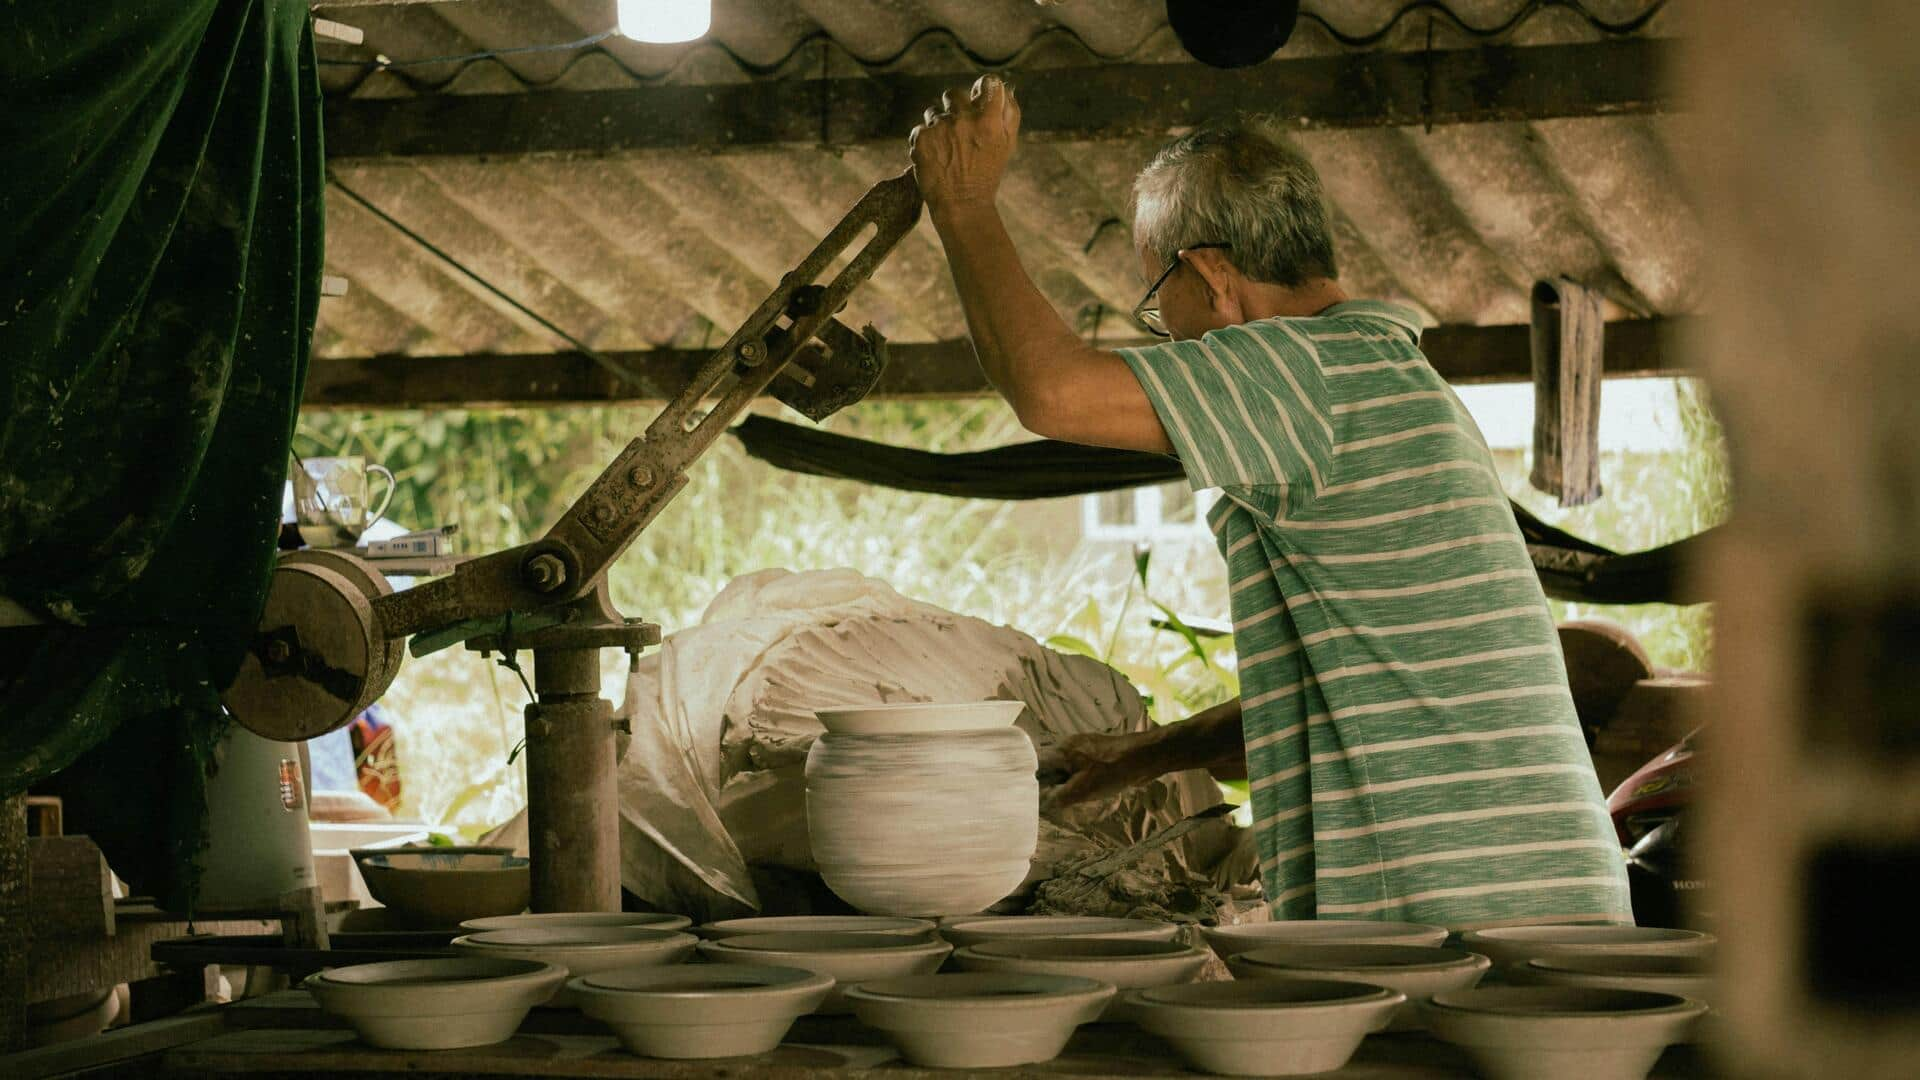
{"x": 1570, "y": 568}
{"x": 160, "y": 253}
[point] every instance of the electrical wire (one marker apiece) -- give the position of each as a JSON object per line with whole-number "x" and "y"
{"x": 613, "y": 367}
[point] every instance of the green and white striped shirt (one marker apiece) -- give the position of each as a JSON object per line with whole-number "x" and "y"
{"x": 1412, "y": 748}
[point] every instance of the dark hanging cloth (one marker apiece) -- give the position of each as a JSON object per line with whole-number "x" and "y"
{"x": 160, "y": 253}
{"x": 1570, "y": 568}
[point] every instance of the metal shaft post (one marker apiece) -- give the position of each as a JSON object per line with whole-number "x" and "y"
{"x": 573, "y": 808}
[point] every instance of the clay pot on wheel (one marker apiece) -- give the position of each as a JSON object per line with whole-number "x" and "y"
{"x": 925, "y": 824}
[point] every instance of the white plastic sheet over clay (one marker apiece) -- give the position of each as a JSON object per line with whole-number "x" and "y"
{"x": 722, "y": 719}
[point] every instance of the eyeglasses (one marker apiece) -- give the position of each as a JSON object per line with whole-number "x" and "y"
{"x": 1149, "y": 317}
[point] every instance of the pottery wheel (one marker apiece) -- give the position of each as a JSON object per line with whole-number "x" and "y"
{"x": 373, "y": 584}
{"x": 316, "y": 661}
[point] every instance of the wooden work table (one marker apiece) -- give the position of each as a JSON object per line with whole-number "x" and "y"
{"x": 287, "y": 1036}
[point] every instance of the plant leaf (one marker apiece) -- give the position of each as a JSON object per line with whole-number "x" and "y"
{"x": 1072, "y": 644}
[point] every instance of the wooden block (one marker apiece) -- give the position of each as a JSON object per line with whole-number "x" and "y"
{"x": 72, "y": 888}
{"x": 16, "y": 922}
{"x": 62, "y": 967}
{"x": 303, "y": 921}
{"x": 45, "y": 815}
{"x": 1568, "y": 363}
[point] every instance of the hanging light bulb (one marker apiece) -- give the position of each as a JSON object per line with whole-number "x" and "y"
{"x": 1232, "y": 33}
{"x": 664, "y": 22}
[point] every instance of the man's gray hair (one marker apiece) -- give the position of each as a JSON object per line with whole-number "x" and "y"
{"x": 1236, "y": 183}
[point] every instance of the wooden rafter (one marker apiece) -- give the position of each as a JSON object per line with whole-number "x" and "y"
{"x": 1357, "y": 90}
{"x": 1463, "y": 354}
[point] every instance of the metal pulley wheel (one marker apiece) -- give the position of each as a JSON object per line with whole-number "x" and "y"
{"x": 372, "y": 584}
{"x": 318, "y": 659}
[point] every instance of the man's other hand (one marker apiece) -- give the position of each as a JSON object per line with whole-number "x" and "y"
{"x": 962, "y": 149}
{"x": 1082, "y": 768}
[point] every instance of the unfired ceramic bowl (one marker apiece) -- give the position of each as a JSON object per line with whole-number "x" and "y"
{"x": 847, "y": 958}
{"x": 817, "y": 924}
{"x": 920, "y": 717}
{"x": 1511, "y": 946}
{"x": 1265, "y": 1027}
{"x": 1417, "y": 971}
{"x": 1239, "y": 937}
{"x": 700, "y": 1010}
{"x": 431, "y": 888}
{"x": 979, "y": 1019}
{"x": 566, "y": 920}
{"x": 1686, "y": 976}
{"x": 435, "y": 1004}
{"x": 1683, "y": 976}
{"x": 965, "y": 932}
{"x": 582, "y": 950}
{"x": 1126, "y": 963}
{"x": 1561, "y": 1032}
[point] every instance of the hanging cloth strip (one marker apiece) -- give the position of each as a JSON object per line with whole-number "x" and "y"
{"x": 160, "y": 253}
{"x": 1570, "y": 568}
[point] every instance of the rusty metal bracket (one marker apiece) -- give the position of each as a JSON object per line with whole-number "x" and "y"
{"x": 571, "y": 558}
{"x": 832, "y": 372}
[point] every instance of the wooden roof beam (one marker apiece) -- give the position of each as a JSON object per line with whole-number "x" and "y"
{"x": 1623, "y": 76}
{"x": 1463, "y": 354}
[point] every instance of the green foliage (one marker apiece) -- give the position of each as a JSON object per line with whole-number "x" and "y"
{"x": 1178, "y": 670}
{"x": 1649, "y": 499}
{"x": 504, "y": 475}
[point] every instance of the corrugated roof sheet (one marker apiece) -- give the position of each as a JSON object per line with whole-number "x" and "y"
{"x": 675, "y": 248}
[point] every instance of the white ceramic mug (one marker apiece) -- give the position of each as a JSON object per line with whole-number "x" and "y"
{"x": 331, "y": 502}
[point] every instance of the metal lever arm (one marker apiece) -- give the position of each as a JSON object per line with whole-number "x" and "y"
{"x": 631, "y": 492}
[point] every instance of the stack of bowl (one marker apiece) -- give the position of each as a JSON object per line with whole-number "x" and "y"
{"x": 1125, "y": 963}
{"x": 816, "y": 924}
{"x": 1686, "y": 976}
{"x": 567, "y": 920}
{"x": 1561, "y": 1032}
{"x": 581, "y": 950}
{"x": 435, "y": 1004}
{"x": 1511, "y": 947}
{"x": 1417, "y": 971}
{"x": 980, "y": 1019}
{"x": 978, "y": 930}
{"x": 700, "y": 1010}
{"x": 1240, "y": 937}
{"x": 1265, "y": 1027}
{"x": 845, "y": 958}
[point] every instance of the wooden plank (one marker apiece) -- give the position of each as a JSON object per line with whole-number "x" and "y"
{"x": 16, "y": 922}
{"x": 1356, "y": 90}
{"x": 62, "y": 967}
{"x": 814, "y": 1050}
{"x": 939, "y": 370}
{"x": 1634, "y": 348}
{"x": 1568, "y": 339}
{"x": 1462, "y": 354}
{"x": 72, "y": 890}
{"x": 118, "y": 1047}
{"x": 303, "y": 919}
{"x": 45, "y": 813}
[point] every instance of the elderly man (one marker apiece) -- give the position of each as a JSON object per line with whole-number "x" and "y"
{"x": 1404, "y": 716}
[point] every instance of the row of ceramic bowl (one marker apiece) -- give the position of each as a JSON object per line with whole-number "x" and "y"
{"x": 1025, "y": 984}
